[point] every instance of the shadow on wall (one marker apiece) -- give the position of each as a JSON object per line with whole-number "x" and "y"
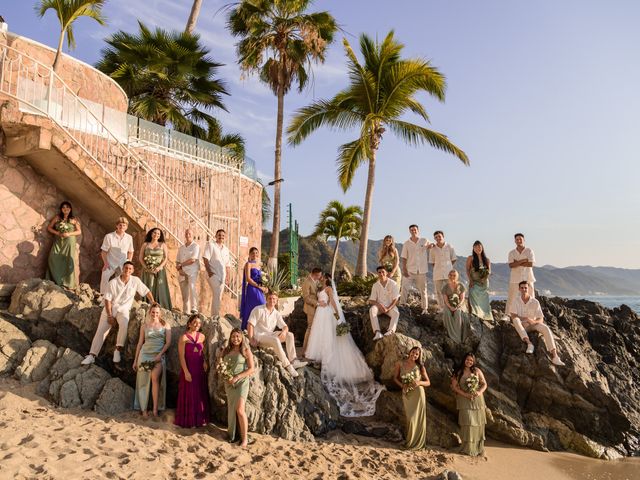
{"x": 24, "y": 261}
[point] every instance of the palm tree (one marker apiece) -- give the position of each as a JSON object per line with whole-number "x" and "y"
{"x": 168, "y": 77}
{"x": 337, "y": 221}
{"x": 380, "y": 91}
{"x": 68, "y": 11}
{"x": 279, "y": 41}
{"x": 193, "y": 16}
{"x": 233, "y": 142}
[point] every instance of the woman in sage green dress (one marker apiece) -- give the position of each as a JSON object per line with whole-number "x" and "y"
{"x": 468, "y": 384}
{"x": 411, "y": 376}
{"x": 150, "y": 364}
{"x": 235, "y": 367}
{"x": 63, "y": 257}
{"x": 455, "y": 320}
{"x": 389, "y": 258}
{"x": 153, "y": 257}
{"x": 478, "y": 272}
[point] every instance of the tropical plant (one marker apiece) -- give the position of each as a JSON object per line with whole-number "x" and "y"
{"x": 279, "y": 41}
{"x": 276, "y": 280}
{"x": 168, "y": 77}
{"x": 266, "y": 204}
{"x": 233, "y": 142}
{"x": 68, "y": 11}
{"x": 339, "y": 222}
{"x": 380, "y": 91}
{"x": 357, "y": 287}
{"x": 193, "y": 16}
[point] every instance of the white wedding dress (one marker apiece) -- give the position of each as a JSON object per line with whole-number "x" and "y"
{"x": 344, "y": 372}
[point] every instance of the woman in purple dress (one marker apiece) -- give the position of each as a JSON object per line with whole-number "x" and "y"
{"x": 193, "y": 395}
{"x": 252, "y": 289}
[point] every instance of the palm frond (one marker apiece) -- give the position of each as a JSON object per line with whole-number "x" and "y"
{"x": 350, "y": 156}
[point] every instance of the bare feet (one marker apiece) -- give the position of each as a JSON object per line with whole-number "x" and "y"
{"x": 145, "y": 414}
{"x": 155, "y": 413}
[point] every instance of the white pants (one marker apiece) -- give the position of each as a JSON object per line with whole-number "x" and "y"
{"x": 189, "y": 292}
{"x": 106, "y": 276}
{"x": 419, "y": 280}
{"x": 549, "y": 341}
{"x": 439, "y": 285}
{"x": 514, "y": 291}
{"x": 104, "y": 328}
{"x": 217, "y": 287}
{"x": 271, "y": 340}
{"x": 393, "y": 314}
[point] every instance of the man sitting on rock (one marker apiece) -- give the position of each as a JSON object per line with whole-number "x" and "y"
{"x": 118, "y": 299}
{"x": 526, "y": 316}
{"x": 263, "y": 321}
{"x": 383, "y": 300}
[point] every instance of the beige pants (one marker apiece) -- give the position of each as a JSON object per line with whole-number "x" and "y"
{"x": 418, "y": 280}
{"x": 104, "y": 328}
{"x": 393, "y": 314}
{"x": 549, "y": 342}
{"x": 189, "y": 292}
{"x": 439, "y": 285}
{"x": 217, "y": 288}
{"x": 107, "y": 275}
{"x": 271, "y": 340}
{"x": 514, "y": 291}
{"x": 310, "y": 317}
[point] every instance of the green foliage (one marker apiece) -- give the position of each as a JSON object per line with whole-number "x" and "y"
{"x": 359, "y": 286}
{"x": 277, "y": 281}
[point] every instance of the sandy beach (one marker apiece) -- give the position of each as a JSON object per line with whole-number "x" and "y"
{"x": 41, "y": 441}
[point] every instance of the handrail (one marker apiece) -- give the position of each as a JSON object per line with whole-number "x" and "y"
{"x": 28, "y": 84}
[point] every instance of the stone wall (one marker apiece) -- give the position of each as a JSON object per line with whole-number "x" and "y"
{"x": 29, "y": 202}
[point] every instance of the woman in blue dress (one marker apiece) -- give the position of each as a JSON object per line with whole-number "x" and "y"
{"x": 252, "y": 289}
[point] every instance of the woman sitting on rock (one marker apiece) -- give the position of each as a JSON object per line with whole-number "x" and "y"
{"x": 149, "y": 362}
{"x": 192, "y": 409}
{"x": 411, "y": 376}
{"x": 468, "y": 384}
{"x": 235, "y": 367}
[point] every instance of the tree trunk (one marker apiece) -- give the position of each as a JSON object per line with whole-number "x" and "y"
{"x": 361, "y": 266}
{"x": 335, "y": 258}
{"x": 272, "y": 264}
{"x": 59, "y": 51}
{"x": 193, "y": 16}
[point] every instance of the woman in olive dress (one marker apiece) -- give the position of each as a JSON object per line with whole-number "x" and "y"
{"x": 389, "y": 258}
{"x": 478, "y": 272}
{"x": 153, "y": 257}
{"x": 238, "y": 361}
{"x": 150, "y": 363}
{"x": 468, "y": 384}
{"x": 411, "y": 376}
{"x": 455, "y": 320}
{"x": 63, "y": 257}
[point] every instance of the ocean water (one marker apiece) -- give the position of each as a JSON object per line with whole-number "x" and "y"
{"x": 604, "y": 300}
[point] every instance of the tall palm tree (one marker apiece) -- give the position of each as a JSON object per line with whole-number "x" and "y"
{"x": 193, "y": 16}
{"x": 279, "y": 40}
{"x": 380, "y": 91}
{"x": 68, "y": 11}
{"x": 339, "y": 222}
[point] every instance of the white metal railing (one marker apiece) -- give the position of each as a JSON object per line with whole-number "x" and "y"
{"x": 41, "y": 91}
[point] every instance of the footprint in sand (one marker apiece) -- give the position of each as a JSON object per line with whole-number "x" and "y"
{"x": 26, "y": 440}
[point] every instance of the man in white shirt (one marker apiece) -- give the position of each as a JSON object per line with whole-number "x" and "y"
{"x": 117, "y": 248}
{"x": 414, "y": 266}
{"x": 442, "y": 257}
{"x": 526, "y": 316}
{"x": 263, "y": 321}
{"x": 118, "y": 298}
{"x": 188, "y": 265}
{"x": 217, "y": 260}
{"x": 521, "y": 260}
{"x": 383, "y": 300}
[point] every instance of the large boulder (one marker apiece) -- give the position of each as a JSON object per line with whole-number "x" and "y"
{"x": 387, "y": 352}
{"x": 37, "y": 362}
{"x": 116, "y": 397}
{"x": 13, "y": 347}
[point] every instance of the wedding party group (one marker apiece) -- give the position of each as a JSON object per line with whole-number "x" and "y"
{"x": 327, "y": 340}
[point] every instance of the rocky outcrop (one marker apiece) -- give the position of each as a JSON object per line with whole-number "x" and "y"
{"x": 116, "y": 397}
{"x": 13, "y": 346}
{"x": 37, "y": 362}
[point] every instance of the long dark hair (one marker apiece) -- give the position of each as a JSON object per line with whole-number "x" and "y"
{"x": 327, "y": 280}
{"x": 476, "y": 260}
{"x": 65, "y": 204}
{"x": 419, "y": 360}
{"x": 229, "y": 347}
{"x": 147, "y": 238}
{"x": 457, "y": 373}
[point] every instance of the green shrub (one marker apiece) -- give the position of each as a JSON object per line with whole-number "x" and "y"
{"x": 359, "y": 286}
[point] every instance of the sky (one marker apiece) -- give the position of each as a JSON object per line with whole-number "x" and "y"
{"x": 542, "y": 96}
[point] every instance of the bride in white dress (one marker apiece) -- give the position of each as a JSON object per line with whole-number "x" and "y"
{"x": 344, "y": 372}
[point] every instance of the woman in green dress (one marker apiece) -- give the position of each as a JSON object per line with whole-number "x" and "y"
{"x": 478, "y": 272}
{"x": 235, "y": 367}
{"x": 455, "y": 320}
{"x": 150, "y": 364}
{"x": 411, "y": 376}
{"x": 389, "y": 258}
{"x": 153, "y": 257}
{"x": 468, "y": 384}
{"x": 63, "y": 257}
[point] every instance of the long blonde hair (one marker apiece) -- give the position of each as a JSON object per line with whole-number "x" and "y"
{"x": 391, "y": 250}
{"x": 148, "y": 319}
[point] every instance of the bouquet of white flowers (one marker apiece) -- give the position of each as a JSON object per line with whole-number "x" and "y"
{"x": 152, "y": 262}
{"x": 343, "y": 329}
{"x": 147, "y": 366}
{"x": 454, "y": 300}
{"x": 408, "y": 379}
{"x": 484, "y": 271}
{"x": 223, "y": 368}
{"x": 472, "y": 383}
{"x": 65, "y": 227}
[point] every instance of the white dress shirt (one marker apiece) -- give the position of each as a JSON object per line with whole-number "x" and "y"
{"x": 117, "y": 248}
{"x": 219, "y": 258}
{"x": 520, "y": 274}
{"x": 442, "y": 259}
{"x": 121, "y": 295}
{"x": 531, "y": 309}
{"x": 265, "y": 322}
{"x": 385, "y": 294}
{"x": 417, "y": 255}
{"x": 187, "y": 252}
